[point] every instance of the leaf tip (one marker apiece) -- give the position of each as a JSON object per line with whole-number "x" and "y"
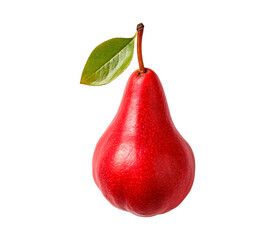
{"x": 83, "y": 80}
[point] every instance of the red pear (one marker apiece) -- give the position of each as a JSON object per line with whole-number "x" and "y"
{"x": 141, "y": 163}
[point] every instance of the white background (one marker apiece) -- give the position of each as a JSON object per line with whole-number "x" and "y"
{"x": 216, "y": 62}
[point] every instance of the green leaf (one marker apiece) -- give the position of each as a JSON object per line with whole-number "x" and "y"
{"x": 107, "y": 61}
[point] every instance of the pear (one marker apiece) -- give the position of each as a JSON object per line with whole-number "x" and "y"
{"x": 141, "y": 163}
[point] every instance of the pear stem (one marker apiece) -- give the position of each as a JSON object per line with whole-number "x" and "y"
{"x": 140, "y": 28}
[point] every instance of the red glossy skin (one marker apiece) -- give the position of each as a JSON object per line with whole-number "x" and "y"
{"x": 141, "y": 163}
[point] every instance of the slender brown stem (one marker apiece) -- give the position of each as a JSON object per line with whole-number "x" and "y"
{"x": 140, "y": 28}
